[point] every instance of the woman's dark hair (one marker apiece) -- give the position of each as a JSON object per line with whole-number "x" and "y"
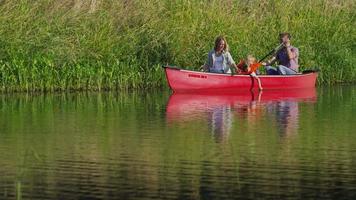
{"x": 217, "y": 42}
{"x": 282, "y": 35}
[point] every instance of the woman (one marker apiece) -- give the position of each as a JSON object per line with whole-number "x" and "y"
{"x": 219, "y": 59}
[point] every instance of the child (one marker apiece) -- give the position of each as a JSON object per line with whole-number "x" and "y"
{"x": 249, "y": 67}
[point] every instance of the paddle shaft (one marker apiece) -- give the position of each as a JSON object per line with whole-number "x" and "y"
{"x": 271, "y": 52}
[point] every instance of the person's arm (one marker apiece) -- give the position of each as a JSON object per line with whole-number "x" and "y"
{"x": 208, "y": 63}
{"x": 235, "y": 66}
{"x": 270, "y": 61}
{"x": 291, "y": 55}
{"x": 292, "y": 52}
{"x": 231, "y": 62}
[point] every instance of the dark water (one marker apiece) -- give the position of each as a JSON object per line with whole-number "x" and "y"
{"x": 150, "y": 145}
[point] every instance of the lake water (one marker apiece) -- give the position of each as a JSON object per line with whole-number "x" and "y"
{"x": 153, "y": 145}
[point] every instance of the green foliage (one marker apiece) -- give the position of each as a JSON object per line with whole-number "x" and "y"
{"x": 52, "y": 45}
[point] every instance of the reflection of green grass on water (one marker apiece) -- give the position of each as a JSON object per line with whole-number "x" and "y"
{"x": 75, "y": 44}
{"x": 133, "y": 125}
{"x": 29, "y": 158}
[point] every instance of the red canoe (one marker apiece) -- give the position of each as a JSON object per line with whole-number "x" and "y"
{"x": 180, "y": 80}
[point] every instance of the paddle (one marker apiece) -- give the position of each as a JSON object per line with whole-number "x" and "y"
{"x": 254, "y": 66}
{"x": 273, "y": 51}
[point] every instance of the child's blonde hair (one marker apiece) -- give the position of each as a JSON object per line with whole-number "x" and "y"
{"x": 250, "y": 60}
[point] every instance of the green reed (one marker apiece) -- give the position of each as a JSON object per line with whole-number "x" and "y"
{"x": 49, "y": 45}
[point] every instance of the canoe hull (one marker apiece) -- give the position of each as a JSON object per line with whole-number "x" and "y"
{"x": 181, "y": 80}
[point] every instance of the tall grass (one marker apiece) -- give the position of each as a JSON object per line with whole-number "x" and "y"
{"x": 52, "y": 45}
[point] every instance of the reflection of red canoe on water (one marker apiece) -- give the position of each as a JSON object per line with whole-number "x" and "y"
{"x": 184, "y": 105}
{"x": 181, "y": 80}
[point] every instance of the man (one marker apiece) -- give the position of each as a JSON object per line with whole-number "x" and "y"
{"x": 286, "y": 57}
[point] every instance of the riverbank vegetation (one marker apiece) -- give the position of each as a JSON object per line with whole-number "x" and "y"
{"x": 49, "y": 45}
